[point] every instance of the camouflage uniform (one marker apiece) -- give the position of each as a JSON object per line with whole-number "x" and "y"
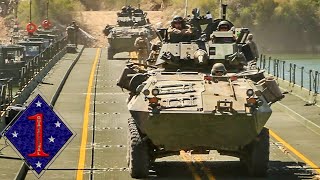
{"x": 177, "y": 35}
{"x": 141, "y": 44}
{"x": 179, "y": 31}
{"x": 253, "y": 46}
{"x": 152, "y": 57}
{"x": 155, "y": 51}
{"x": 72, "y": 31}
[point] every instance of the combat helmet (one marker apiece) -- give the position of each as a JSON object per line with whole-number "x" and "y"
{"x": 218, "y": 67}
{"x": 141, "y": 34}
{"x": 250, "y": 36}
{"x": 224, "y": 24}
{"x": 177, "y": 19}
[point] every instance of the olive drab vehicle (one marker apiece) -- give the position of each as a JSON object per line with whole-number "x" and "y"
{"x": 132, "y": 22}
{"x": 206, "y": 95}
{"x": 12, "y": 59}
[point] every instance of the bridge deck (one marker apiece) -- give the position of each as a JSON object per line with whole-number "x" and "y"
{"x": 99, "y": 149}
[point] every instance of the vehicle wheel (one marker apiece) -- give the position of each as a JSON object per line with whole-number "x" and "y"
{"x": 257, "y": 159}
{"x": 139, "y": 157}
{"x": 110, "y": 53}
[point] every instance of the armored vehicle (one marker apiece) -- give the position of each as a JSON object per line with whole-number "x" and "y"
{"x": 32, "y": 48}
{"x": 204, "y": 96}
{"x": 12, "y": 58}
{"x": 131, "y": 24}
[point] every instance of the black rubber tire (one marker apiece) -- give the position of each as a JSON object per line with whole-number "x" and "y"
{"x": 257, "y": 159}
{"x": 139, "y": 157}
{"x": 110, "y": 53}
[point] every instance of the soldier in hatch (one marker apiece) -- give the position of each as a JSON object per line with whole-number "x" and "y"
{"x": 253, "y": 46}
{"x": 142, "y": 44}
{"x": 179, "y": 31}
{"x": 224, "y": 26}
{"x": 218, "y": 69}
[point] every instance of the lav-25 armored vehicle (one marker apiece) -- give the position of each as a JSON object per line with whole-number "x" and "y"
{"x": 131, "y": 23}
{"x": 184, "y": 105}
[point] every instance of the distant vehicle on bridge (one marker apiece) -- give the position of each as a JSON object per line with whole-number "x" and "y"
{"x": 132, "y": 22}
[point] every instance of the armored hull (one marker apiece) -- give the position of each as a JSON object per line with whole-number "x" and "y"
{"x": 195, "y": 113}
{"x": 121, "y": 39}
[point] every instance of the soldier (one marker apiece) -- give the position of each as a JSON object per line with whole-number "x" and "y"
{"x": 218, "y": 69}
{"x": 72, "y": 31}
{"x": 253, "y": 46}
{"x": 224, "y": 26}
{"x": 141, "y": 44}
{"x": 153, "y": 56}
{"x": 179, "y": 31}
{"x": 107, "y": 30}
{"x": 124, "y": 10}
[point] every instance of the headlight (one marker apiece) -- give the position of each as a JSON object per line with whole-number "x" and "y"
{"x": 155, "y": 92}
{"x": 250, "y": 92}
{"x": 260, "y": 103}
{"x": 146, "y": 92}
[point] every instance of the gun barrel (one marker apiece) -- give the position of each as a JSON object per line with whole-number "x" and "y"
{"x": 224, "y": 11}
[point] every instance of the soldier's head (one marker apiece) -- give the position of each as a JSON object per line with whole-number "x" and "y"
{"x": 124, "y": 9}
{"x": 141, "y": 34}
{"x": 250, "y": 37}
{"x": 177, "y": 22}
{"x": 224, "y": 26}
{"x": 218, "y": 69}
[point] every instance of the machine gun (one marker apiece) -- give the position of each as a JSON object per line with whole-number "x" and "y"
{"x": 196, "y": 21}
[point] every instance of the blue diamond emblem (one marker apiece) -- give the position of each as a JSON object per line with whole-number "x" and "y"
{"x": 38, "y": 135}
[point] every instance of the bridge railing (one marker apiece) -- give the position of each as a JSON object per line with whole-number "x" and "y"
{"x": 34, "y": 66}
{"x": 291, "y": 72}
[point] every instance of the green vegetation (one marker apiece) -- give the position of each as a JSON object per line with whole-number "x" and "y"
{"x": 278, "y": 25}
{"x": 60, "y": 11}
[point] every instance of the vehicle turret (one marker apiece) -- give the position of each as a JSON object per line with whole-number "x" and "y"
{"x": 131, "y": 22}
{"x": 204, "y": 94}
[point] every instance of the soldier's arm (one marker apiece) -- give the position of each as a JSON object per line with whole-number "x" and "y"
{"x": 136, "y": 44}
{"x": 188, "y": 30}
{"x": 174, "y": 30}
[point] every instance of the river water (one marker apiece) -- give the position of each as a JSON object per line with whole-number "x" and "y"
{"x": 299, "y": 74}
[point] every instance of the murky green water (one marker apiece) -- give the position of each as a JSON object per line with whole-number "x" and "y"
{"x": 308, "y": 61}
{"x": 299, "y": 74}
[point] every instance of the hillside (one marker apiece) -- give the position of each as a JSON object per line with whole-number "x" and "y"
{"x": 4, "y": 31}
{"x": 278, "y": 25}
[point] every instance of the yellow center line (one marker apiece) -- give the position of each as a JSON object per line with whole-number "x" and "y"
{"x": 296, "y": 152}
{"x": 188, "y": 160}
{"x": 82, "y": 156}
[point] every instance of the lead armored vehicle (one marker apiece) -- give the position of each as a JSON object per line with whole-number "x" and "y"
{"x": 131, "y": 23}
{"x": 204, "y": 95}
